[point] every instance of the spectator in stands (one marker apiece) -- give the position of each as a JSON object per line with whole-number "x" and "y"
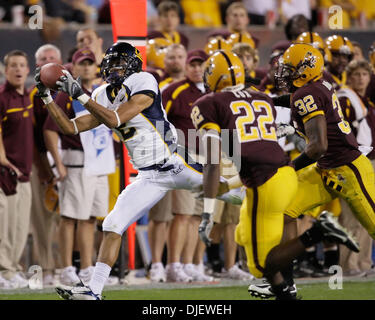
{"x": 258, "y": 10}
{"x": 353, "y": 99}
{"x": 88, "y": 38}
{"x": 357, "y": 51}
{"x": 290, "y": 8}
{"x": 202, "y": 14}
{"x": 43, "y": 221}
{"x": 249, "y": 57}
{"x": 297, "y": 25}
{"x": 70, "y": 11}
{"x": 237, "y": 19}
{"x": 168, "y": 12}
{"x": 16, "y": 155}
{"x": 174, "y": 64}
{"x": 83, "y": 196}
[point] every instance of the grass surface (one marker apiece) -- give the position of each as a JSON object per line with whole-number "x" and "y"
{"x": 313, "y": 291}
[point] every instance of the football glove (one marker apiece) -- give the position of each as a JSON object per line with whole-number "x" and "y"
{"x": 298, "y": 141}
{"x": 205, "y": 228}
{"x": 69, "y": 85}
{"x": 43, "y": 92}
{"x": 284, "y": 129}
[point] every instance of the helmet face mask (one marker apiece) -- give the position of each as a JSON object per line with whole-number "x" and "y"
{"x": 285, "y": 76}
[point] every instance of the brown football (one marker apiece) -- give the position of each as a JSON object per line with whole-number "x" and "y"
{"x": 50, "y": 73}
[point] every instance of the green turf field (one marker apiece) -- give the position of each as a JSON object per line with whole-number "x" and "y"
{"x": 312, "y": 291}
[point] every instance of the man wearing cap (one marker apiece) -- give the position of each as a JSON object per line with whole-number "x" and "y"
{"x": 82, "y": 197}
{"x": 178, "y": 101}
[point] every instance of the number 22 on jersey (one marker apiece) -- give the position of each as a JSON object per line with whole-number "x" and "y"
{"x": 250, "y": 126}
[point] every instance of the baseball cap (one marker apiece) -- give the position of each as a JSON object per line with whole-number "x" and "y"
{"x": 197, "y": 54}
{"x": 83, "y": 54}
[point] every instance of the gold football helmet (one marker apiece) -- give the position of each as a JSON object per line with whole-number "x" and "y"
{"x": 155, "y": 50}
{"x": 339, "y": 44}
{"x": 240, "y": 37}
{"x": 217, "y": 43}
{"x": 316, "y": 41}
{"x": 223, "y": 69}
{"x": 299, "y": 64}
{"x": 312, "y": 38}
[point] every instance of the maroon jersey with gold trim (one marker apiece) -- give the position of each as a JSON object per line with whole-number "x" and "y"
{"x": 246, "y": 120}
{"x": 16, "y": 127}
{"x": 319, "y": 98}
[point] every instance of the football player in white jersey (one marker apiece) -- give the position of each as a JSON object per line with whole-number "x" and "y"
{"x": 130, "y": 104}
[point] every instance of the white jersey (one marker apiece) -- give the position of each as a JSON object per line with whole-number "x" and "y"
{"x": 149, "y": 137}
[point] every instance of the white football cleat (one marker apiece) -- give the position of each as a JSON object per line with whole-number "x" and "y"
{"x": 79, "y": 292}
{"x": 264, "y": 290}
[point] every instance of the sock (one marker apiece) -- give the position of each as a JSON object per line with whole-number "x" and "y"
{"x": 287, "y": 274}
{"x": 331, "y": 257}
{"x": 99, "y": 277}
{"x": 213, "y": 256}
{"x": 282, "y": 291}
{"x": 311, "y": 236}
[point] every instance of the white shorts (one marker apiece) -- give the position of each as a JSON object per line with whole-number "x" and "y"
{"x": 150, "y": 186}
{"x": 82, "y": 196}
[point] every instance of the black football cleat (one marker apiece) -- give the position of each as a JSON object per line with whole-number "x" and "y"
{"x": 334, "y": 232}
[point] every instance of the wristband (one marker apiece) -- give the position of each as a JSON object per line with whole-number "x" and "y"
{"x": 47, "y": 100}
{"x": 75, "y": 126}
{"x": 208, "y": 205}
{"x": 234, "y": 182}
{"x": 118, "y": 118}
{"x": 83, "y": 98}
{"x": 302, "y": 161}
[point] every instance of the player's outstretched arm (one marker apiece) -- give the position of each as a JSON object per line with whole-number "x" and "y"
{"x": 125, "y": 112}
{"x": 111, "y": 118}
{"x": 66, "y": 125}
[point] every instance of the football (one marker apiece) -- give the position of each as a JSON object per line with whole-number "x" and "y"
{"x": 50, "y": 73}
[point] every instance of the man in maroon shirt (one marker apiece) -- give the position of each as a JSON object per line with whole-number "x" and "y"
{"x": 174, "y": 65}
{"x": 16, "y": 153}
{"x": 168, "y": 12}
{"x": 82, "y": 197}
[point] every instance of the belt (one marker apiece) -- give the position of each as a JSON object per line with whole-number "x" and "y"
{"x": 158, "y": 166}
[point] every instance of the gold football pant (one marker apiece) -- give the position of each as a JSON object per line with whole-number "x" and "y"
{"x": 262, "y": 217}
{"x": 354, "y": 182}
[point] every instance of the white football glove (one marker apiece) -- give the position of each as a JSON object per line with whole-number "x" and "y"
{"x": 284, "y": 129}
{"x": 205, "y": 228}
